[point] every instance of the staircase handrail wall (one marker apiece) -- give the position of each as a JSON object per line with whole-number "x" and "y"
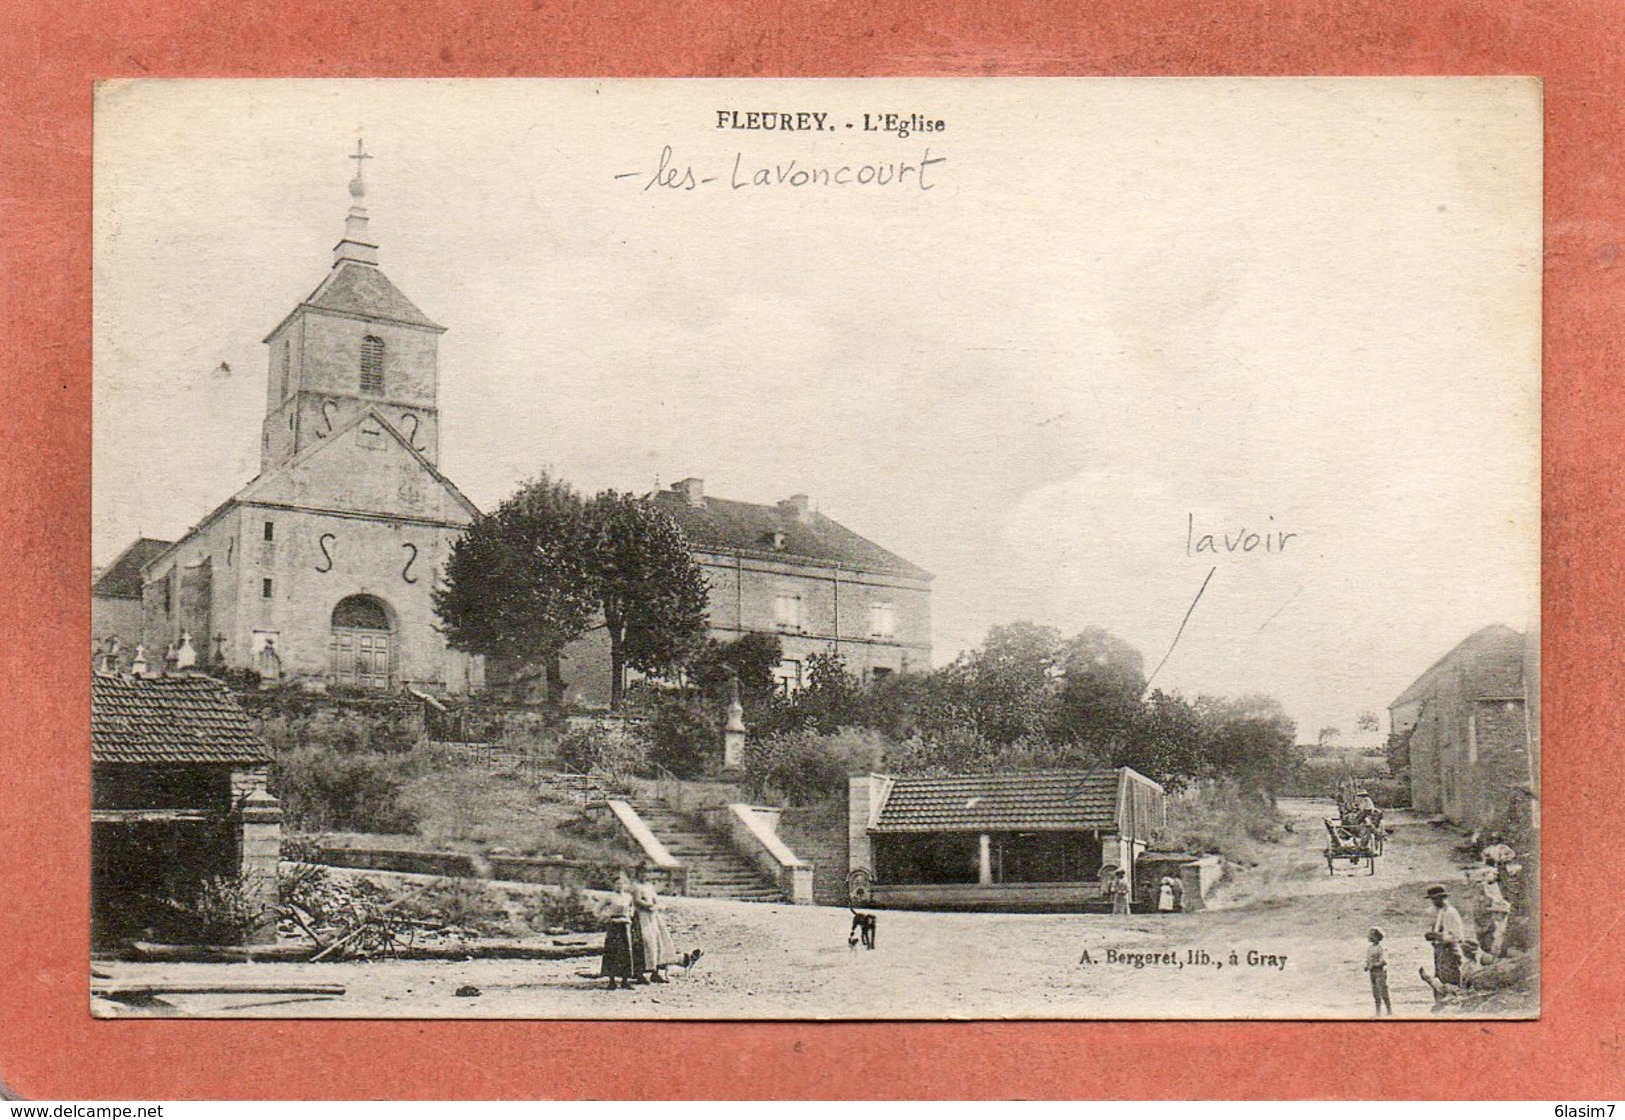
{"x": 665, "y": 864}
{"x": 753, "y": 837}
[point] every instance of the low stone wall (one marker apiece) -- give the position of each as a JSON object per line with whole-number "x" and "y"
{"x": 821, "y": 841}
{"x": 998, "y": 897}
{"x": 453, "y": 865}
{"x": 539, "y": 870}
{"x": 752, "y": 833}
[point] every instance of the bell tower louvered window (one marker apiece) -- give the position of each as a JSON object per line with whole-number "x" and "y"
{"x": 372, "y": 364}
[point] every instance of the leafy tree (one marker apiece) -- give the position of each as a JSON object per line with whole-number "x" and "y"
{"x": 1007, "y": 689}
{"x": 1169, "y": 742}
{"x": 518, "y": 584}
{"x": 832, "y": 698}
{"x": 648, "y": 587}
{"x": 1366, "y": 721}
{"x": 1102, "y": 683}
{"x": 1253, "y": 740}
{"x": 750, "y": 659}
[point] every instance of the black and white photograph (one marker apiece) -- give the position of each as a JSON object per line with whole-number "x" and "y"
{"x": 860, "y": 549}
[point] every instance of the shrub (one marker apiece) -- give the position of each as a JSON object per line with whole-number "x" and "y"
{"x": 325, "y": 790}
{"x": 569, "y": 909}
{"x": 463, "y": 904}
{"x": 681, "y": 735}
{"x": 804, "y": 768}
{"x": 1218, "y": 817}
{"x": 226, "y": 910}
{"x": 596, "y": 749}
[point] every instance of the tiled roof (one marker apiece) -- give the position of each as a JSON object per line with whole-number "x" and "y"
{"x": 1035, "y": 801}
{"x": 360, "y": 289}
{"x": 1490, "y": 662}
{"x": 122, "y": 578}
{"x": 169, "y": 719}
{"x": 723, "y": 524}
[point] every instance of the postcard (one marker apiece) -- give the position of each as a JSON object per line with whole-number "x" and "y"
{"x": 837, "y": 549}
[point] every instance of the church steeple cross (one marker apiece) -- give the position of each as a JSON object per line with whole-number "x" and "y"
{"x": 360, "y": 154}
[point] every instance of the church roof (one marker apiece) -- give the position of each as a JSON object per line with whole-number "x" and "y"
{"x": 363, "y": 290}
{"x": 1036, "y": 801}
{"x": 1489, "y": 661}
{"x": 263, "y": 487}
{"x": 169, "y": 719}
{"x": 723, "y": 524}
{"x": 122, "y": 578}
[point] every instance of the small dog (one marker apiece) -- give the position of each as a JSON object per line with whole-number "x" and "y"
{"x": 690, "y": 959}
{"x": 862, "y": 932}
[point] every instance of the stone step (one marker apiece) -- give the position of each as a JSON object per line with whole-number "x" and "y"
{"x": 715, "y": 870}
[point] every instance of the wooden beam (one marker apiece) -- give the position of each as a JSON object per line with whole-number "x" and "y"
{"x": 119, "y": 990}
{"x": 153, "y": 816}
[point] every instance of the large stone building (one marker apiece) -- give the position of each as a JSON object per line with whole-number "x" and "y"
{"x": 790, "y": 571}
{"x": 321, "y": 568}
{"x": 1473, "y": 731}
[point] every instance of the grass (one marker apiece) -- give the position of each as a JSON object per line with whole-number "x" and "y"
{"x": 435, "y": 800}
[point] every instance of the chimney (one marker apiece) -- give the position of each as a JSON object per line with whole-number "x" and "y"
{"x": 692, "y": 490}
{"x": 798, "y": 506}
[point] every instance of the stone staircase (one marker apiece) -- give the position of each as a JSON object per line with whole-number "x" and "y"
{"x": 715, "y": 870}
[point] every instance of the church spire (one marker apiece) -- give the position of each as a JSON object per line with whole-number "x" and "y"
{"x": 357, "y": 246}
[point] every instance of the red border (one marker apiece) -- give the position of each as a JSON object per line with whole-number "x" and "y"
{"x": 49, "y": 1046}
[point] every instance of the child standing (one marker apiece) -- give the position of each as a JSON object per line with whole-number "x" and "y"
{"x": 1376, "y": 963}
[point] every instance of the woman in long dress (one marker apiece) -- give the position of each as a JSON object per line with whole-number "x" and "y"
{"x": 655, "y": 941}
{"x": 620, "y": 963}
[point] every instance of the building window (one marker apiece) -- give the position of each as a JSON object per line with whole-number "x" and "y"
{"x": 882, "y": 620}
{"x": 1472, "y": 737}
{"x": 285, "y": 370}
{"x": 270, "y": 530}
{"x": 372, "y": 364}
{"x": 787, "y": 610}
{"x": 265, "y": 588}
{"x": 787, "y": 678}
{"x": 879, "y": 673}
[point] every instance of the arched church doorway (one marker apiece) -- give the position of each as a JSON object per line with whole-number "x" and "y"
{"x": 361, "y": 642}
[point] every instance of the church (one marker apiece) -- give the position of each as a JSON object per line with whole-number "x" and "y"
{"x": 321, "y": 569}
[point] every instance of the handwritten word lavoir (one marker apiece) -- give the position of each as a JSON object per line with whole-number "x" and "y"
{"x": 1263, "y": 539}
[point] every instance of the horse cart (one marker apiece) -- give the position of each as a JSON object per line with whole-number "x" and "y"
{"x": 1352, "y": 844}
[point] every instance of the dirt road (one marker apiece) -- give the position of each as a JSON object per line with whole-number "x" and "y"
{"x": 1286, "y": 940}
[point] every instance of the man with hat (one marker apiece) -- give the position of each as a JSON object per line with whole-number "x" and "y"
{"x": 1447, "y": 935}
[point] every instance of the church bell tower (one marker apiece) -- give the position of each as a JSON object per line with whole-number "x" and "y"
{"x": 354, "y": 348}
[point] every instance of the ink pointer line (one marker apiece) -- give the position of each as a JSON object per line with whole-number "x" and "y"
{"x": 1181, "y": 629}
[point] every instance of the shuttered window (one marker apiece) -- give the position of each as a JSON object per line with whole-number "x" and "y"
{"x": 372, "y": 364}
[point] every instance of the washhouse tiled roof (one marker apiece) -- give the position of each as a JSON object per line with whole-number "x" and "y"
{"x": 169, "y": 719}
{"x": 1052, "y": 800}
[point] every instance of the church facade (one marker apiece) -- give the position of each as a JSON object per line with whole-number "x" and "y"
{"x": 321, "y": 569}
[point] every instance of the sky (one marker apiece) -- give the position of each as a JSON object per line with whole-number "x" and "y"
{"x": 1125, "y": 315}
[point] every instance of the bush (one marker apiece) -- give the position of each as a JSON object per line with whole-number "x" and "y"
{"x": 681, "y": 735}
{"x": 226, "y": 910}
{"x": 330, "y": 791}
{"x": 804, "y": 768}
{"x": 569, "y": 909}
{"x": 1218, "y": 817}
{"x": 463, "y": 904}
{"x": 588, "y": 750}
